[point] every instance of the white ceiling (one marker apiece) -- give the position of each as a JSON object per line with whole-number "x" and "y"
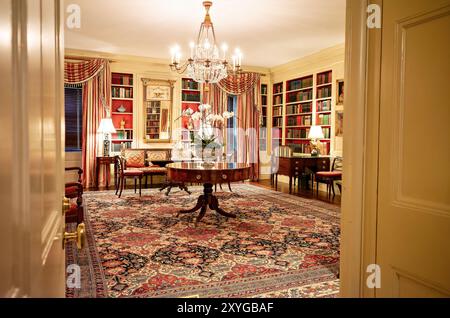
{"x": 268, "y": 32}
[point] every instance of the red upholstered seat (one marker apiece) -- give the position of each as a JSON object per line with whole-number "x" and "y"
{"x": 153, "y": 169}
{"x": 71, "y": 192}
{"x": 329, "y": 174}
{"x": 133, "y": 172}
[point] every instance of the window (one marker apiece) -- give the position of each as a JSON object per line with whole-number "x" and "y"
{"x": 232, "y": 127}
{"x": 74, "y": 117}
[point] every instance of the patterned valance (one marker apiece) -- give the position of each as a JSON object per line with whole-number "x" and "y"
{"x": 240, "y": 83}
{"x": 82, "y": 71}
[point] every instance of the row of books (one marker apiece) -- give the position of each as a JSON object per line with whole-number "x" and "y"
{"x": 124, "y": 134}
{"x": 277, "y": 122}
{"x": 278, "y": 111}
{"x": 152, "y": 136}
{"x": 326, "y": 132}
{"x": 189, "y": 84}
{"x": 300, "y": 83}
{"x": 297, "y": 133}
{"x": 152, "y": 116}
{"x": 264, "y": 100}
{"x": 122, "y": 80}
{"x": 278, "y": 88}
{"x": 152, "y": 130}
{"x": 263, "y": 89}
{"x": 264, "y": 111}
{"x": 324, "y": 119}
{"x": 298, "y": 109}
{"x": 299, "y": 96}
{"x": 324, "y": 92}
{"x": 122, "y": 92}
{"x": 190, "y": 97}
{"x": 153, "y": 122}
{"x": 299, "y": 121}
{"x": 278, "y": 100}
{"x": 324, "y": 105}
{"x": 323, "y": 78}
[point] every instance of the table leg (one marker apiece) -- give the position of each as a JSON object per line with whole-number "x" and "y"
{"x": 205, "y": 200}
{"x": 108, "y": 174}
{"x": 97, "y": 172}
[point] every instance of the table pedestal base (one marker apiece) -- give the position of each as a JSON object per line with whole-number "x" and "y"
{"x": 205, "y": 200}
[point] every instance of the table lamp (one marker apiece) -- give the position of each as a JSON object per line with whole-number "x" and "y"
{"x": 106, "y": 127}
{"x": 315, "y": 134}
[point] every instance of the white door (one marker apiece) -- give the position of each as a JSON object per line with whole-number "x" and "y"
{"x": 413, "y": 228}
{"x": 31, "y": 151}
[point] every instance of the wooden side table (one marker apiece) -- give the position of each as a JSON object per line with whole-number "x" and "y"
{"x": 107, "y": 162}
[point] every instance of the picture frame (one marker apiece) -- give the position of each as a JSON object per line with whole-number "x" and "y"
{"x": 340, "y": 92}
{"x": 158, "y": 92}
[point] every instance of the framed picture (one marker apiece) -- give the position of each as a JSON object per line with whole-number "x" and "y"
{"x": 339, "y": 127}
{"x": 340, "y": 92}
{"x": 158, "y": 92}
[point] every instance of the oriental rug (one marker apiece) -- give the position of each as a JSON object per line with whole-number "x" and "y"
{"x": 278, "y": 246}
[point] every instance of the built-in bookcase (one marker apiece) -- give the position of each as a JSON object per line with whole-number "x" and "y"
{"x": 122, "y": 93}
{"x": 263, "y": 130}
{"x": 307, "y": 101}
{"x": 277, "y": 114}
{"x": 190, "y": 98}
{"x": 324, "y": 88}
{"x": 299, "y": 112}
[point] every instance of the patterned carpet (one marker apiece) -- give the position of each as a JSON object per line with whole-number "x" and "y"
{"x": 278, "y": 246}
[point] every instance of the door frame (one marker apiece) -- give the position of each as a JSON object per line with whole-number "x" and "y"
{"x": 361, "y": 140}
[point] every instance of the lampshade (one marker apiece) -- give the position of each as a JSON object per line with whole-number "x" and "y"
{"x": 316, "y": 133}
{"x": 106, "y": 126}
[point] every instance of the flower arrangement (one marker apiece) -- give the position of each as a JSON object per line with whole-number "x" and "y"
{"x": 208, "y": 123}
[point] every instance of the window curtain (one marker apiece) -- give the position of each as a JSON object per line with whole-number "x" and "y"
{"x": 247, "y": 88}
{"x": 95, "y": 77}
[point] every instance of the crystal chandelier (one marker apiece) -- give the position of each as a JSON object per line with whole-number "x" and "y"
{"x": 206, "y": 63}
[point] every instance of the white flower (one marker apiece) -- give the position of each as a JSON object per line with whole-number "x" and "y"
{"x": 228, "y": 115}
{"x": 188, "y": 112}
{"x": 204, "y": 107}
{"x": 196, "y": 116}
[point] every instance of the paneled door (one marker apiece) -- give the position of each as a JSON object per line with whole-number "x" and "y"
{"x": 413, "y": 227}
{"x": 32, "y": 149}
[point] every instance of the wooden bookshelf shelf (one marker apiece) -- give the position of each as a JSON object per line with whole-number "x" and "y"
{"x": 263, "y": 128}
{"x": 122, "y": 93}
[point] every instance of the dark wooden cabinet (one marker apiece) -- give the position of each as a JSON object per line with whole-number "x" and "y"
{"x": 296, "y": 167}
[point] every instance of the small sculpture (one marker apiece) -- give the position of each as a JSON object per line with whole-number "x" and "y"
{"x": 122, "y": 124}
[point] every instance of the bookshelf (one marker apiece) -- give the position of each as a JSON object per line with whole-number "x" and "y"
{"x": 299, "y": 113}
{"x": 190, "y": 98}
{"x": 324, "y": 88}
{"x": 307, "y": 101}
{"x": 122, "y": 93}
{"x": 277, "y": 114}
{"x": 263, "y": 129}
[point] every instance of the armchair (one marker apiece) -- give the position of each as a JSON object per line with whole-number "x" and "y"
{"x": 74, "y": 190}
{"x": 329, "y": 177}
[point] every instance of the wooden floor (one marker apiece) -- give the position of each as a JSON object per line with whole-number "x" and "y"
{"x": 284, "y": 187}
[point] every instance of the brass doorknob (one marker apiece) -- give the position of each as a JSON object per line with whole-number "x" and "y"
{"x": 65, "y": 205}
{"x": 79, "y": 236}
